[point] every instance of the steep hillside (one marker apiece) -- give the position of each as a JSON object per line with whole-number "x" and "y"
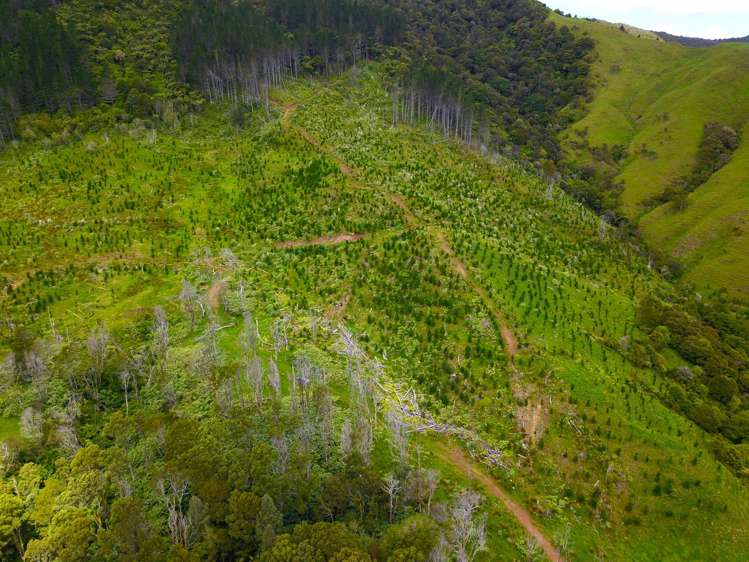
{"x": 712, "y": 233}
{"x": 493, "y": 308}
{"x": 288, "y": 280}
{"x": 645, "y": 124}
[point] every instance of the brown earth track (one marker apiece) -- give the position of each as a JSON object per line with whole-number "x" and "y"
{"x": 508, "y": 337}
{"x": 457, "y": 458}
{"x": 336, "y": 311}
{"x": 322, "y": 241}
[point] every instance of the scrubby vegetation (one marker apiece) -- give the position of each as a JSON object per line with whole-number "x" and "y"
{"x": 454, "y": 264}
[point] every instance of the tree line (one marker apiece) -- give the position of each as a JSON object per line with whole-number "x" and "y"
{"x": 237, "y": 51}
{"x": 711, "y": 389}
{"x": 497, "y": 72}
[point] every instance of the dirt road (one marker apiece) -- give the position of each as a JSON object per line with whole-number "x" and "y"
{"x": 457, "y": 458}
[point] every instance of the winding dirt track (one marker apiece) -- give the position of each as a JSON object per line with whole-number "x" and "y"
{"x": 508, "y": 337}
{"x": 453, "y": 454}
{"x": 457, "y": 458}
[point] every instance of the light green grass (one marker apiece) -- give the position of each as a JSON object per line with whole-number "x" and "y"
{"x": 659, "y": 96}
{"x": 712, "y": 234}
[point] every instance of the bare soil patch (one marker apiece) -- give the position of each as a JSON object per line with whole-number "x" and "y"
{"x": 322, "y": 241}
{"x": 214, "y": 294}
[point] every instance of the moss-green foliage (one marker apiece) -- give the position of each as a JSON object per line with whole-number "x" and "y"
{"x": 644, "y": 128}
{"x": 718, "y": 144}
{"x": 8, "y": 428}
{"x": 711, "y": 393}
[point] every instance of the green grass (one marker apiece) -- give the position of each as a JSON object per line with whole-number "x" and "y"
{"x": 160, "y": 208}
{"x": 8, "y": 428}
{"x": 711, "y": 234}
{"x": 658, "y": 96}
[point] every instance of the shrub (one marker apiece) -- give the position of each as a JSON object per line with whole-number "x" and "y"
{"x": 736, "y": 428}
{"x": 707, "y": 416}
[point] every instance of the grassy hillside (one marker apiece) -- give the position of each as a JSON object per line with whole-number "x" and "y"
{"x": 653, "y": 99}
{"x": 711, "y": 235}
{"x": 501, "y": 304}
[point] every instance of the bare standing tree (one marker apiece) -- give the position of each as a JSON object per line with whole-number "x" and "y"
{"x": 160, "y": 332}
{"x": 421, "y": 486}
{"x": 392, "y": 486}
{"x": 174, "y": 491}
{"x": 242, "y": 296}
{"x": 254, "y": 377}
{"x": 8, "y": 457}
{"x": 97, "y": 346}
{"x": 346, "y": 438}
{"x": 280, "y": 340}
{"x": 432, "y": 477}
{"x": 188, "y": 296}
{"x": 467, "y": 529}
{"x": 7, "y": 372}
{"x": 364, "y": 438}
{"x": 35, "y": 368}
{"x": 225, "y": 396}
{"x": 65, "y": 432}
{"x": 68, "y": 439}
{"x": 324, "y": 410}
{"x": 31, "y": 424}
{"x": 281, "y": 447}
{"x": 230, "y": 260}
{"x": 400, "y": 437}
{"x": 126, "y": 377}
{"x": 603, "y": 226}
{"x": 274, "y": 378}
{"x": 249, "y": 335}
{"x": 211, "y": 357}
{"x": 562, "y": 539}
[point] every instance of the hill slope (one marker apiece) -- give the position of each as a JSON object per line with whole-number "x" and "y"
{"x": 653, "y": 100}
{"x": 496, "y": 303}
{"x": 697, "y": 41}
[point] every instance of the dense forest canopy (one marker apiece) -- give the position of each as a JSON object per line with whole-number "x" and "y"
{"x": 504, "y": 57}
{"x": 42, "y": 64}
